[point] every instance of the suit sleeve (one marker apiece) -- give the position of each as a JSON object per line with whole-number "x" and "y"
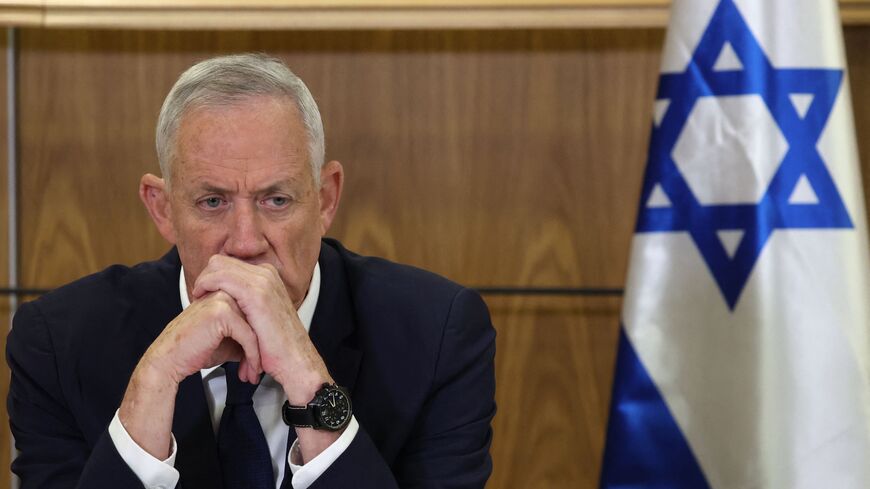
{"x": 53, "y": 452}
{"x": 449, "y": 447}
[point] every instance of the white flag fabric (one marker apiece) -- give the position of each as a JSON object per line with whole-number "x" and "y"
{"x": 744, "y": 357}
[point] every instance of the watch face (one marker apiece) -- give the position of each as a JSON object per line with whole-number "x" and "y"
{"x": 334, "y": 409}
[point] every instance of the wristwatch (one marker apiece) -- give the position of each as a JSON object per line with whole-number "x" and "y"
{"x": 330, "y": 410}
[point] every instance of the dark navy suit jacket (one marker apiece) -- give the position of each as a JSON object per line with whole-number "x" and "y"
{"x": 415, "y": 350}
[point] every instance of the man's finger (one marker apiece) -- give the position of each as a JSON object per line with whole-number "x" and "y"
{"x": 233, "y": 267}
{"x": 243, "y": 285}
{"x": 240, "y": 331}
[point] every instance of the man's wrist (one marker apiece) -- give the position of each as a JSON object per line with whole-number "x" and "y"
{"x": 152, "y": 472}
{"x": 147, "y": 408}
{"x": 149, "y": 375}
{"x": 302, "y": 385}
{"x": 301, "y": 393}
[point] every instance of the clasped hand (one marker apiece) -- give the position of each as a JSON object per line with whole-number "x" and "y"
{"x": 241, "y": 312}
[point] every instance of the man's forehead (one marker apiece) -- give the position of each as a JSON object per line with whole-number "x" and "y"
{"x": 253, "y": 145}
{"x": 222, "y": 178}
{"x": 259, "y": 127}
{"x": 280, "y": 162}
{"x": 198, "y": 166}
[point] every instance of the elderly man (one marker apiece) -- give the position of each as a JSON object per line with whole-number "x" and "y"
{"x": 255, "y": 354}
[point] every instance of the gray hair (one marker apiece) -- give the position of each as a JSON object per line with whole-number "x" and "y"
{"x": 227, "y": 80}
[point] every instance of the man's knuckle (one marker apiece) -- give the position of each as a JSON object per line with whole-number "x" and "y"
{"x": 265, "y": 281}
{"x": 218, "y": 307}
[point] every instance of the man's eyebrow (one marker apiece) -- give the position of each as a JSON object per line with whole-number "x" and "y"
{"x": 275, "y": 187}
{"x": 214, "y": 189}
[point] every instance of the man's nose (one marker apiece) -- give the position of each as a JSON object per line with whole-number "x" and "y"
{"x": 246, "y": 238}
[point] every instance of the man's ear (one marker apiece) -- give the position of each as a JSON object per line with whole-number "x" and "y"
{"x": 155, "y": 196}
{"x": 331, "y": 183}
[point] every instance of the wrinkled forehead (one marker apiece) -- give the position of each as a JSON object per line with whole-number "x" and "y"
{"x": 254, "y": 138}
{"x": 244, "y": 176}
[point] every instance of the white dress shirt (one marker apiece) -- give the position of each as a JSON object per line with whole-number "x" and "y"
{"x": 268, "y": 399}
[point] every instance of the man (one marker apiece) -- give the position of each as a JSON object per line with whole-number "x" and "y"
{"x": 144, "y": 376}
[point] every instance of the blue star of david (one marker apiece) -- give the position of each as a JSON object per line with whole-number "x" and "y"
{"x": 774, "y": 211}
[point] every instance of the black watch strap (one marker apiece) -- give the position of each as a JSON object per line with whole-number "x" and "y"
{"x": 298, "y": 416}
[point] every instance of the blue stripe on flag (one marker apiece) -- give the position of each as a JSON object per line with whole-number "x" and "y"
{"x": 645, "y": 447}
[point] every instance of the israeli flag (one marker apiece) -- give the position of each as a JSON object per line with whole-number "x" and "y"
{"x": 744, "y": 358}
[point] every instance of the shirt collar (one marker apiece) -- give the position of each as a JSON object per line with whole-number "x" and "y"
{"x": 305, "y": 311}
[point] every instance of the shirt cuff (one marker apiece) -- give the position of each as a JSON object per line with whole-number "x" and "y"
{"x": 305, "y": 475}
{"x": 154, "y": 473}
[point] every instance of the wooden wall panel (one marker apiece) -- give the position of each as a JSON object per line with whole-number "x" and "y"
{"x": 484, "y": 156}
{"x": 85, "y": 132}
{"x": 495, "y": 158}
{"x": 554, "y": 367}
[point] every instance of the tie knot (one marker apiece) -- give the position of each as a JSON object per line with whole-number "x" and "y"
{"x": 238, "y": 392}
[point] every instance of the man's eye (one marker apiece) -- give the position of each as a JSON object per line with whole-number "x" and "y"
{"x": 278, "y": 201}
{"x": 212, "y": 202}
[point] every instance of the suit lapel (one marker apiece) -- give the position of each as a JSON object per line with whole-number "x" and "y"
{"x": 156, "y": 300}
{"x": 333, "y": 325}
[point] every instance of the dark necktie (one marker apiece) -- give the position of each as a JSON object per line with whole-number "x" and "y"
{"x": 244, "y": 454}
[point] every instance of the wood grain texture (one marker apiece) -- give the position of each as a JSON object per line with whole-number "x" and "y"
{"x": 484, "y": 156}
{"x": 554, "y": 369}
{"x": 85, "y": 130}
